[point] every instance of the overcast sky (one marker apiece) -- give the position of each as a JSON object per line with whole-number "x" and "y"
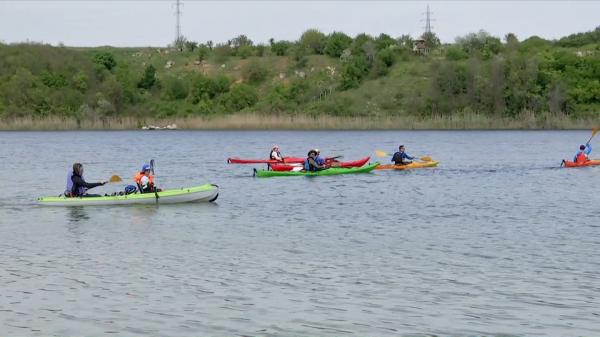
{"x": 152, "y": 23}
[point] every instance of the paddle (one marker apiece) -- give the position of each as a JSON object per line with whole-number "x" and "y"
{"x": 152, "y": 170}
{"x": 115, "y": 179}
{"x": 380, "y": 153}
{"x": 594, "y": 132}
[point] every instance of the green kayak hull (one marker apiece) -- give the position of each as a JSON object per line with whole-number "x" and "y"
{"x": 207, "y": 192}
{"x": 328, "y": 172}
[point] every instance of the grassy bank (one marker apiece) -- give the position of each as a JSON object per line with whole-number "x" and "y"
{"x": 303, "y": 122}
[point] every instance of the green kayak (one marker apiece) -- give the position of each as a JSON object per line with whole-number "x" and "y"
{"x": 328, "y": 172}
{"x": 207, "y": 192}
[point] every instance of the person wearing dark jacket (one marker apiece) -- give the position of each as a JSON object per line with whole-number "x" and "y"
{"x": 77, "y": 186}
{"x": 401, "y": 157}
{"x": 311, "y": 164}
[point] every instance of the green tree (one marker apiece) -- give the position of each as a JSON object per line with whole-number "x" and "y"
{"x": 432, "y": 41}
{"x": 105, "y": 59}
{"x": 337, "y": 42}
{"x": 80, "y": 81}
{"x": 148, "y": 79}
{"x": 176, "y": 88}
{"x": 240, "y": 97}
{"x": 245, "y": 51}
{"x": 203, "y": 51}
{"x": 354, "y": 71}
{"x": 313, "y": 40}
{"x": 280, "y": 48}
{"x": 384, "y": 41}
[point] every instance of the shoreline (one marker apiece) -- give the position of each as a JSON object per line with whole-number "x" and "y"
{"x": 255, "y": 121}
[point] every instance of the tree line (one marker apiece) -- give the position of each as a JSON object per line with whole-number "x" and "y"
{"x": 324, "y": 74}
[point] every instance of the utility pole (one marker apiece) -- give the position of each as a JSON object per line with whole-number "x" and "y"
{"x": 428, "y": 20}
{"x": 178, "y": 6}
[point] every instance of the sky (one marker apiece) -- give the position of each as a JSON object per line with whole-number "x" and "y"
{"x": 152, "y": 23}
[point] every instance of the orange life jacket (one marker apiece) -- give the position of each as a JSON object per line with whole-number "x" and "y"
{"x": 581, "y": 157}
{"x": 138, "y": 179}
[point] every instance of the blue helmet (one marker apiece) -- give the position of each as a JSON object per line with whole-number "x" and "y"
{"x": 146, "y": 167}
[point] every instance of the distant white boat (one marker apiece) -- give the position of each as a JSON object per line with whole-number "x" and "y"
{"x": 154, "y": 127}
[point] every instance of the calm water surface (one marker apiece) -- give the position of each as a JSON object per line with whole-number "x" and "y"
{"x": 497, "y": 240}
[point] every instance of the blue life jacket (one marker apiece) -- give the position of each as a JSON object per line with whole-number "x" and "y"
{"x": 306, "y": 165}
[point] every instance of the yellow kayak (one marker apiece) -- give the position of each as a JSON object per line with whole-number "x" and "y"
{"x": 413, "y": 165}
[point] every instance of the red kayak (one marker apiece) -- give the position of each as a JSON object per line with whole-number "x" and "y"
{"x": 286, "y": 160}
{"x": 592, "y": 162}
{"x": 290, "y": 160}
{"x": 292, "y": 167}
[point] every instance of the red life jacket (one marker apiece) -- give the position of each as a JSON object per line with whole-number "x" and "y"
{"x": 581, "y": 158}
{"x": 138, "y": 179}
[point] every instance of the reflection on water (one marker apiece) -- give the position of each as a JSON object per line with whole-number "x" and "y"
{"x": 77, "y": 214}
{"x": 490, "y": 243}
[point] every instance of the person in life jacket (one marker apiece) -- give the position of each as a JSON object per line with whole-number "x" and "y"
{"x": 77, "y": 186}
{"x": 320, "y": 160}
{"x": 275, "y": 154}
{"x": 310, "y": 164}
{"x": 583, "y": 155}
{"x": 144, "y": 180}
{"x": 401, "y": 157}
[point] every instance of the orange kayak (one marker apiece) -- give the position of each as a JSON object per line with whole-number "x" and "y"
{"x": 413, "y": 165}
{"x": 592, "y": 162}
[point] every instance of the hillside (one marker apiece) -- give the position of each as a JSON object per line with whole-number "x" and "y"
{"x": 530, "y": 83}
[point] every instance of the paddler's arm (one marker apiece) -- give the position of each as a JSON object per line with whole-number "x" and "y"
{"x": 588, "y": 148}
{"x": 80, "y": 182}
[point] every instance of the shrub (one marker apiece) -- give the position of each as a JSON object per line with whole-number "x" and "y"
{"x": 255, "y": 72}
{"x": 106, "y": 59}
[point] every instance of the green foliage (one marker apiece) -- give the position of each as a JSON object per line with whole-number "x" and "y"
{"x": 456, "y": 53}
{"x": 580, "y": 39}
{"x": 205, "y": 88}
{"x": 280, "y": 48}
{"x": 384, "y": 41}
{"x": 203, "y": 51}
{"x": 245, "y": 51}
{"x": 51, "y": 80}
{"x": 190, "y": 46}
{"x": 105, "y": 59}
{"x": 176, "y": 88}
{"x": 240, "y": 97}
{"x": 353, "y": 72}
{"x": 478, "y": 74}
{"x": 80, "y": 81}
{"x": 255, "y": 72}
{"x": 337, "y": 42}
{"x": 432, "y": 41}
{"x": 481, "y": 43}
{"x": 148, "y": 80}
{"x": 313, "y": 41}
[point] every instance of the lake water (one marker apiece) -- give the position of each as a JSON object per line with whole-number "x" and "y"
{"x": 497, "y": 240}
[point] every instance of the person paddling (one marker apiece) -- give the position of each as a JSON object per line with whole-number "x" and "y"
{"x": 311, "y": 164}
{"x": 320, "y": 160}
{"x": 144, "y": 180}
{"x": 275, "y": 153}
{"x": 77, "y": 186}
{"x": 583, "y": 155}
{"x": 401, "y": 157}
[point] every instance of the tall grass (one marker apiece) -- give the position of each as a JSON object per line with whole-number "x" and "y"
{"x": 526, "y": 120}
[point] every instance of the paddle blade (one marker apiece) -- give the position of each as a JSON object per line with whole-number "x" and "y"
{"x": 115, "y": 179}
{"x": 595, "y": 131}
{"x": 426, "y": 158}
{"x": 380, "y": 153}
